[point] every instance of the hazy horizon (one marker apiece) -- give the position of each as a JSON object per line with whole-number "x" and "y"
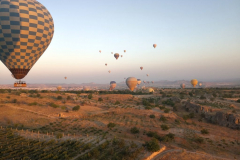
{"x": 195, "y": 39}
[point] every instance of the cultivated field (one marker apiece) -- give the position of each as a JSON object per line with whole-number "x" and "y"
{"x": 184, "y": 123}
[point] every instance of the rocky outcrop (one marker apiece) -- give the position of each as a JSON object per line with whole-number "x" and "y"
{"x": 215, "y": 116}
{"x": 175, "y": 99}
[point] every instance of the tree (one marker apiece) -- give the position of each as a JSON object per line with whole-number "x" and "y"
{"x": 152, "y": 116}
{"x": 134, "y": 130}
{"x": 238, "y": 100}
{"x": 90, "y": 96}
{"x": 111, "y": 125}
{"x": 100, "y": 99}
{"x": 163, "y": 118}
{"x": 59, "y": 97}
{"x": 117, "y": 102}
{"x": 204, "y": 131}
{"x": 164, "y": 127}
{"x": 76, "y": 108}
{"x": 152, "y": 145}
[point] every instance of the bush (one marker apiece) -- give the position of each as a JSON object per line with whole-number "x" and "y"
{"x": 152, "y": 116}
{"x": 164, "y": 127}
{"x": 59, "y": 135}
{"x": 68, "y": 98}
{"x": 90, "y": 96}
{"x": 8, "y": 97}
{"x": 238, "y": 100}
{"x": 100, "y": 99}
{"x": 59, "y": 97}
{"x": 163, "y": 118}
{"x": 152, "y": 145}
{"x": 177, "y": 121}
{"x": 191, "y": 115}
{"x": 54, "y": 105}
{"x": 169, "y": 137}
{"x": 14, "y": 101}
{"x": 76, "y": 108}
{"x": 134, "y": 130}
{"x": 148, "y": 108}
{"x": 33, "y": 104}
{"x": 204, "y": 131}
{"x": 116, "y": 103}
{"x": 199, "y": 140}
{"x": 166, "y": 110}
{"x": 162, "y": 107}
{"x": 111, "y": 125}
{"x": 202, "y": 97}
{"x": 169, "y": 102}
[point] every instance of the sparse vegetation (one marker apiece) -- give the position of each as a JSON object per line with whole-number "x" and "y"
{"x": 152, "y": 145}
{"x": 204, "y": 131}
{"x": 164, "y": 127}
{"x": 76, "y": 108}
{"x": 134, "y": 130}
{"x": 100, "y": 99}
{"x": 152, "y": 116}
{"x": 111, "y": 125}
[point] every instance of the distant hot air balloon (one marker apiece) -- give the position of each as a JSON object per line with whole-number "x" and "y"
{"x": 124, "y": 51}
{"x": 141, "y": 68}
{"x": 150, "y": 90}
{"x": 144, "y": 81}
{"x": 131, "y": 83}
{"x": 100, "y": 51}
{"x": 139, "y": 81}
{"x": 154, "y": 45}
{"x": 65, "y": 77}
{"x": 113, "y": 84}
{"x": 194, "y": 82}
{"x": 105, "y": 64}
{"x": 59, "y": 88}
{"x": 152, "y": 82}
{"x": 116, "y": 55}
{"x": 109, "y": 71}
{"x": 125, "y": 78}
{"x": 86, "y": 88}
{"x": 147, "y": 82}
{"x": 147, "y": 74}
{"x": 200, "y": 84}
{"x": 182, "y": 85}
{"x": 26, "y": 31}
{"x": 111, "y": 52}
{"x": 121, "y": 55}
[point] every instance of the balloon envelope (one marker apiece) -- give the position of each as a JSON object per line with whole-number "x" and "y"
{"x": 141, "y": 68}
{"x": 154, "y": 45}
{"x": 194, "y": 82}
{"x": 59, "y": 88}
{"x": 182, "y": 85}
{"x": 26, "y": 31}
{"x": 139, "y": 81}
{"x": 150, "y": 90}
{"x": 113, "y": 84}
{"x": 131, "y": 83}
{"x": 116, "y": 55}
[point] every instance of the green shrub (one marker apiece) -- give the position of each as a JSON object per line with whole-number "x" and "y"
{"x": 199, "y": 140}
{"x": 90, "y": 96}
{"x": 111, "y": 125}
{"x": 186, "y": 117}
{"x": 116, "y": 103}
{"x": 148, "y": 108}
{"x": 68, "y": 98}
{"x": 152, "y": 145}
{"x": 191, "y": 115}
{"x": 152, "y": 116}
{"x": 163, "y": 118}
{"x": 8, "y": 97}
{"x": 54, "y": 105}
{"x": 169, "y": 137}
{"x": 166, "y": 110}
{"x": 33, "y": 104}
{"x": 14, "y": 101}
{"x": 164, "y": 127}
{"x": 59, "y": 135}
{"x": 177, "y": 121}
{"x": 76, "y": 108}
{"x": 202, "y": 97}
{"x": 100, "y": 99}
{"x": 162, "y": 107}
{"x": 59, "y": 97}
{"x": 204, "y": 131}
{"x": 134, "y": 130}
{"x": 238, "y": 100}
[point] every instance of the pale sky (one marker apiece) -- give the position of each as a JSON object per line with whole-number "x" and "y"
{"x": 195, "y": 39}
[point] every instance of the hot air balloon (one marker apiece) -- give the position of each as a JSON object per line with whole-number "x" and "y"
{"x": 111, "y": 52}
{"x": 125, "y": 78}
{"x": 200, "y": 84}
{"x": 131, "y": 83}
{"x": 121, "y": 55}
{"x": 147, "y": 74}
{"x": 147, "y": 82}
{"x": 65, "y": 77}
{"x": 124, "y": 51}
{"x": 182, "y": 85}
{"x": 144, "y": 81}
{"x": 116, "y": 55}
{"x": 109, "y": 71}
{"x": 152, "y": 82}
{"x": 154, "y": 45}
{"x": 139, "y": 81}
{"x": 59, "y": 88}
{"x": 113, "y": 84}
{"x": 141, "y": 68}
{"x": 86, "y": 88}
{"x": 105, "y": 64}
{"x": 26, "y": 31}
{"x": 194, "y": 82}
{"x": 150, "y": 90}
{"x": 100, "y": 51}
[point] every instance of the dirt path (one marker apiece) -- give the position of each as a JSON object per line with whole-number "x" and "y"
{"x": 27, "y": 110}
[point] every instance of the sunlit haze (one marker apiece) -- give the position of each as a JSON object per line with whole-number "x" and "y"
{"x": 195, "y": 39}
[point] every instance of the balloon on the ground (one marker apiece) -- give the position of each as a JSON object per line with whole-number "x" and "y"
{"x": 182, "y": 85}
{"x": 194, "y": 82}
{"x": 86, "y": 88}
{"x": 59, "y": 88}
{"x": 131, "y": 83}
{"x": 26, "y": 31}
{"x": 139, "y": 81}
{"x": 113, "y": 84}
{"x": 150, "y": 90}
